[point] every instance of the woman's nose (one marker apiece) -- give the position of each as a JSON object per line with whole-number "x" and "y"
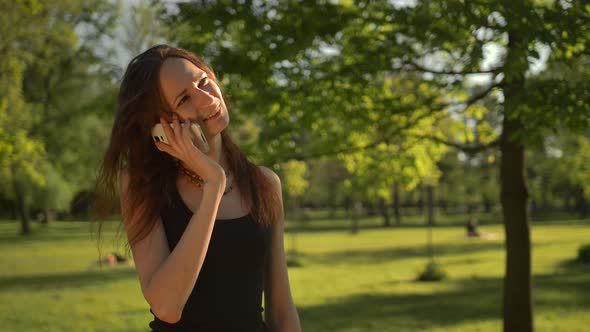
{"x": 202, "y": 97}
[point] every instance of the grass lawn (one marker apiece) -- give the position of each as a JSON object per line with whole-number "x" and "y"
{"x": 361, "y": 282}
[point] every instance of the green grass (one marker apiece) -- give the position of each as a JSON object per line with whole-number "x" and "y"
{"x": 362, "y": 282}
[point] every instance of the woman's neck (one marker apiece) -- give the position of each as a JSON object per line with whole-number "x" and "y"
{"x": 215, "y": 152}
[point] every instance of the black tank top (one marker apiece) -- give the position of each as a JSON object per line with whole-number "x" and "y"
{"x": 227, "y": 295}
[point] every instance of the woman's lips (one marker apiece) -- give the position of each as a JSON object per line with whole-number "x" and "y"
{"x": 215, "y": 115}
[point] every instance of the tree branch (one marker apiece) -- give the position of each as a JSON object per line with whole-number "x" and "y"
{"x": 399, "y": 130}
{"x": 421, "y": 68}
{"x": 467, "y": 148}
{"x": 479, "y": 96}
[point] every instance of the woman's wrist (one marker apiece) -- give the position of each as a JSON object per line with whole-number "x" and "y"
{"x": 216, "y": 175}
{"x": 218, "y": 179}
{"x": 214, "y": 186}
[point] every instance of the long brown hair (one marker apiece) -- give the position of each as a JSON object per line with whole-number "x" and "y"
{"x": 152, "y": 173}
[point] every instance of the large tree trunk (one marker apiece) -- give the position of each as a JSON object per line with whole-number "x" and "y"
{"x": 514, "y": 195}
{"x": 518, "y": 308}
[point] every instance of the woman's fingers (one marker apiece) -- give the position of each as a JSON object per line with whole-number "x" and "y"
{"x": 177, "y": 129}
{"x": 165, "y": 148}
{"x": 167, "y": 130}
{"x": 186, "y": 134}
{"x": 183, "y": 138}
{"x": 199, "y": 137}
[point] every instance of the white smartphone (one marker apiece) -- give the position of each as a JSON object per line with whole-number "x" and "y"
{"x": 158, "y": 134}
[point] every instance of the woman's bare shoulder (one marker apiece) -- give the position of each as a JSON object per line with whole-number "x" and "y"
{"x": 270, "y": 174}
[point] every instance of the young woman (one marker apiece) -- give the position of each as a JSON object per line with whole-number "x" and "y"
{"x": 205, "y": 228}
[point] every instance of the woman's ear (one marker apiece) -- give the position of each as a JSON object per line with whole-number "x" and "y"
{"x": 167, "y": 115}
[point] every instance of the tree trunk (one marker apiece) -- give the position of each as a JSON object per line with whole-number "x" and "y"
{"x": 420, "y": 204}
{"x": 293, "y": 230}
{"x": 429, "y": 244}
{"x": 514, "y": 194}
{"x": 534, "y": 205}
{"x": 487, "y": 205}
{"x": 430, "y": 204}
{"x": 348, "y": 206}
{"x": 21, "y": 207}
{"x": 443, "y": 206}
{"x": 47, "y": 216}
{"x": 397, "y": 204}
{"x": 518, "y": 308}
{"x": 544, "y": 197}
{"x": 581, "y": 203}
{"x": 13, "y": 212}
{"x": 357, "y": 208}
{"x": 568, "y": 203}
{"x": 384, "y": 213}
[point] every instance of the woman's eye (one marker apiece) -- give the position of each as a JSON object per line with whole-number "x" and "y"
{"x": 182, "y": 100}
{"x": 203, "y": 82}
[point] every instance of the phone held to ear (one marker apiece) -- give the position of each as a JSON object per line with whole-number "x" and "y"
{"x": 197, "y": 135}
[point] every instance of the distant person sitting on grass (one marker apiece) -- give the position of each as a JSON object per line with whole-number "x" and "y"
{"x": 113, "y": 259}
{"x": 472, "y": 228}
{"x": 472, "y": 231}
{"x": 110, "y": 259}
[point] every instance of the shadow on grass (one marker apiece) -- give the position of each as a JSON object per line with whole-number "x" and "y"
{"x": 67, "y": 280}
{"x": 364, "y": 225}
{"x": 384, "y": 255}
{"x": 58, "y": 234}
{"x": 575, "y": 265}
{"x": 472, "y": 300}
{"x": 397, "y": 253}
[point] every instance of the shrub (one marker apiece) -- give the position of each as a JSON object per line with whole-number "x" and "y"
{"x": 432, "y": 272}
{"x": 584, "y": 254}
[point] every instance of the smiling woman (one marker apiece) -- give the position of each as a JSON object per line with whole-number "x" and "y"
{"x": 204, "y": 253}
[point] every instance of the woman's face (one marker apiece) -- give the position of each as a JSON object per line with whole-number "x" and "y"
{"x": 192, "y": 95}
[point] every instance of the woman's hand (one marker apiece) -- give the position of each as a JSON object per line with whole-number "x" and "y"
{"x": 181, "y": 147}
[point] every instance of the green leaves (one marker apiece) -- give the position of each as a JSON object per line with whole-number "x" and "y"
{"x": 294, "y": 178}
{"x": 383, "y": 86}
{"x": 48, "y": 79}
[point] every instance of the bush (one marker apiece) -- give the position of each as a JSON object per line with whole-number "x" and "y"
{"x": 584, "y": 254}
{"x": 294, "y": 261}
{"x": 432, "y": 272}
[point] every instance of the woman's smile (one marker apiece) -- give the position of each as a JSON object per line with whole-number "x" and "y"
{"x": 214, "y": 115}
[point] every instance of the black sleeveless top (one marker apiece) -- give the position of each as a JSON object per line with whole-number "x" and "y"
{"x": 227, "y": 295}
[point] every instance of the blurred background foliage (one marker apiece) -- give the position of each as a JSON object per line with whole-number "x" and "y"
{"x": 377, "y": 99}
